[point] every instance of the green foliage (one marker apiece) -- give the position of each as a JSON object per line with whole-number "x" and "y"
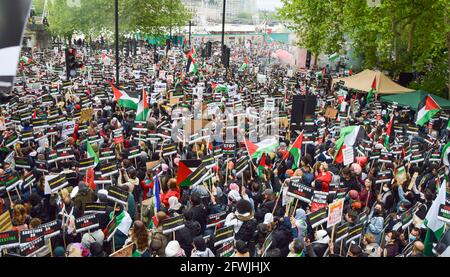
{"x": 435, "y": 79}
{"x": 398, "y": 36}
{"x": 96, "y": 17}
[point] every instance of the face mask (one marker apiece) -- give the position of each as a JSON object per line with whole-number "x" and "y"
{"x": 385, "y": 189}
{"x": 412, "y": 238}
{"x": 401, "y": 209}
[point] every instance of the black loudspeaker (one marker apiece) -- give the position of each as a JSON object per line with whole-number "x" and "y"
{"x": 303, "y": 106}
{"x": 208, "y": 49}
{"x": 308, "y": 59}
{"x": 226, "y": 57}
{"x": 405, "y": 79}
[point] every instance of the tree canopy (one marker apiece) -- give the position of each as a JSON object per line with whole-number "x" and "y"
{"x": 95, "y": 17}
{"x": 399, "y": 36}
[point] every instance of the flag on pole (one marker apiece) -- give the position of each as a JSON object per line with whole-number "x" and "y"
{"x": 183, "y": 175}
{"x": 264, "y": 146}
{"x": 445, "y": 154}
{"x": 295, "y": 151}
{"x": 348, "y": 136}
{"x": 426, "y": 110}
{"x": 435, "y": 227}
{"x": 91, "y": 153}
{"x": 262, "y": 165}
{"x": 191, "y": 63}
{"x": 25, "y": 60}
{"x": 143, "y": 110}
{"x": 372, "y": 89}
{"x": 389, "y": 132}
{"x": 156, "y": 189}
{"x": 123, "y": 99}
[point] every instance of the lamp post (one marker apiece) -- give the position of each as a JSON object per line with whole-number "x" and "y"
{"x": 223, "y": 24}
{"x": 116, "y": 28}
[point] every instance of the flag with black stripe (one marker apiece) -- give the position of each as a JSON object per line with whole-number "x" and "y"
{"x": 11, "y": 139}
{"x": 341, "y": 231}
{"x": 65, "y": 153}
{"x": 209, "y": 161}
{"x": 224, "y": 235}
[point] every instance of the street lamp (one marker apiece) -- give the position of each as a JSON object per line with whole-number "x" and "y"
{"x": 116, "y": 29}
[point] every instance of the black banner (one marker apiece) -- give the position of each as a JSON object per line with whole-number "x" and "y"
{"x": 86, "y": 222}
{"x": 299, "y": 190}
{"x": 318, "y": 217}
{"x": 51, "y": 229}
{"x": 27, "y": 236}
{"x": 117, "y": 194}
{"x": 32, "y": 247}
{"x": 9, "y": 239}
{"x": 172, "y": 224}
{"x": 95, "y": 208}
{"x": 224, "y": 235}
{"x": 215, "y": 219}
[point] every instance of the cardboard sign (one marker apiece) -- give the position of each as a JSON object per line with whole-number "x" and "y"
{"x": 51, "y": 229}
{"x": 33, "y": 247}
{"x": 9, "y": 239}
{"x": 126, "y": 251}
{"x": 172, "y": 224}
{"x": 444, "y": 213}
{"x": 118, "y": 195}
{"x": 224, "y": 235}
{"x": 269, "y": 104}
{"x": 152, "y": 165}
{"x": 86, "y": 115}
{"x": 348, "y": 156}
{"x": 86, "y": 222}
{"x": 335, "y": 211}
{"x": 215, "y": 219}
{"x": 331, "y": 113}
{"x": 119, "y": 140}
{"x": 299, "y": 190}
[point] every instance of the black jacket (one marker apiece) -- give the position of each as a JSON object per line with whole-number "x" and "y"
{"x": 265, "y": 207}
{"x": 185, "y": 237}
{"x": 200, "y": 214}
{"x": 247, "y": 231}
{"x": 281, "y": 238}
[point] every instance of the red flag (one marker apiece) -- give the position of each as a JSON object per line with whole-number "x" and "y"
{"x": 75, "y": 132}
{"x": 34, "y": 114}
{"x": 89, "y": 179}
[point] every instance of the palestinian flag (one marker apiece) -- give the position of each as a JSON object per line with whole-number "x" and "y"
{"x": 295, "y": 150}
{"x": 426, "y": 110}
{"x": 25, "y": 60}
{"x": 372, "y": 89}
{"x": 262, "y": 165}
{"x": 435, "y": 227}
{"x": 333, "y": 57}
{"x": 143, "y": 110}
{"x": 448, "y": 125}
{"x": 183, "y": 175}
{"x": 255, "y": 151}
{"x": 446, "y": 154}
{"x": 124, "y": 100}
{"x": 348, "y": 136}
{"x": 219, "y": 88}
{"x": 389, "y": 132}
{"x": 191, "y": 63}
{"x": 244, "y": 65}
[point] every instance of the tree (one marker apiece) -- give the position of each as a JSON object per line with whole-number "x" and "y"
{"x": 96, "y": 17}
{"x": 399, "y": 36}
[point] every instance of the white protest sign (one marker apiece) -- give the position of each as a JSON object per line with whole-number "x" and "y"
{"x": 335, "y": 210}
{"x": 269, "y": 104}
{"x": 261, "y": 78}
{"x": 348, "y": 156}
{"x": 68, "y": 128}
{"x": 137, "y": 74}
